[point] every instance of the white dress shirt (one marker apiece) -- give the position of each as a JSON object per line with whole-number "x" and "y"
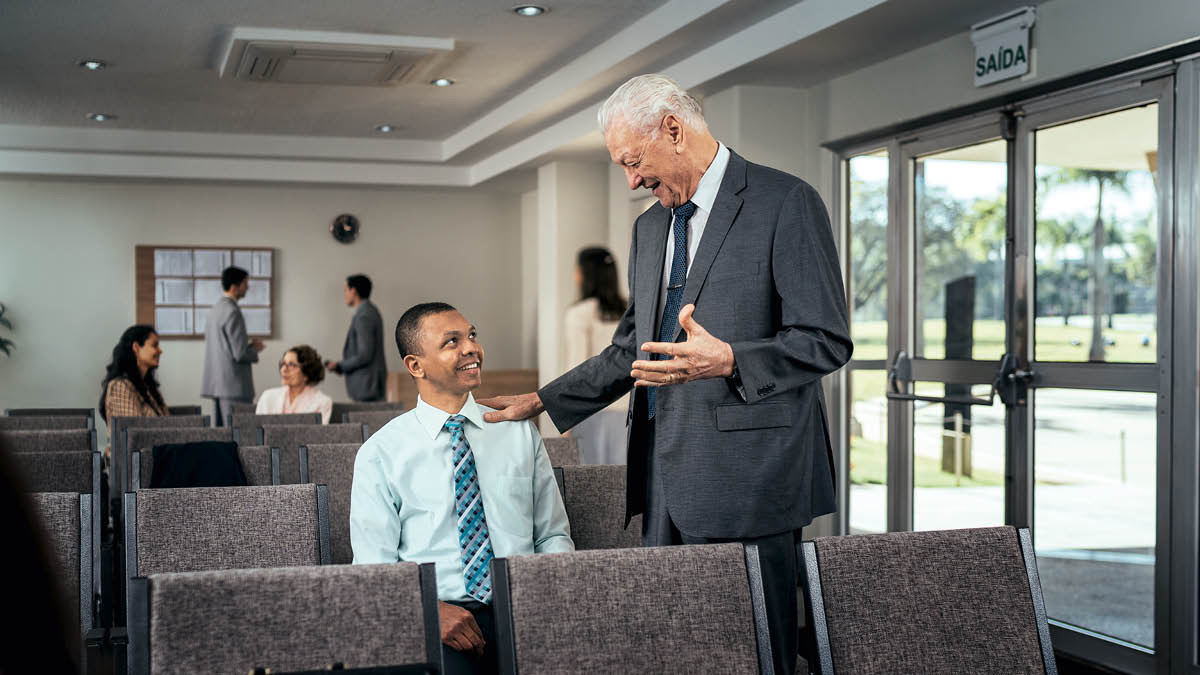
{"x": 402, "y": 500}
{"x": 706, "y": 194}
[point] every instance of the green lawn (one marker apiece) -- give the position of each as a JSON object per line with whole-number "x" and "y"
{"x": 868, "y": 464}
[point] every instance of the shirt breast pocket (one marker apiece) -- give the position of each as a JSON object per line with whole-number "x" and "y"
{"x": 510, "y": 509}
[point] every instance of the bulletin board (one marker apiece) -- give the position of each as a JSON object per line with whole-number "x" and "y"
{"x": 176, "y": 286}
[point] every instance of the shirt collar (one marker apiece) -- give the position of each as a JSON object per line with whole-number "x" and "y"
{"x": 434, "y": 419}
{"x": 710, "y": 182}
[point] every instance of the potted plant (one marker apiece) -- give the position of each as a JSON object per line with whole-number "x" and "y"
{"x": 6, "y": 345}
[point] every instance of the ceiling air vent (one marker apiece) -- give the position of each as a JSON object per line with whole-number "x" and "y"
{"x": 316, "y": 57}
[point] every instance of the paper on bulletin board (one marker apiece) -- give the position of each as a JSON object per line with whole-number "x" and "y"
{"x": 210, "y": 263}
{"x": 173, "y": 320}
{"x": 172, "y": 263}
{"x": 257, "y": 294}
{"x": 258, "y": 321}
{"x": 257, "y": 263}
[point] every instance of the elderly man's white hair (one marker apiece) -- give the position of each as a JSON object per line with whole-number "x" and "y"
{"x": 644, "y": 100}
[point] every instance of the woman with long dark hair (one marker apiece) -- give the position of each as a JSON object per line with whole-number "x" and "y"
{"x": 129, "y": 388}
{"x": 589, "y": 327}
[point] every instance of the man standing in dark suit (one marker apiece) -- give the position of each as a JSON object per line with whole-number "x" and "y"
{"x": 363, "y": 362}
{"x": 737, "y": 310}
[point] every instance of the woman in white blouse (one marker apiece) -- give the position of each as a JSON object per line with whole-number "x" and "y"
{"x": 590, "y": 324}
{"x": 300, "y": 370}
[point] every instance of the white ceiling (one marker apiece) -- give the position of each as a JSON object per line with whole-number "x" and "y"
{"x": 525, "y": 88}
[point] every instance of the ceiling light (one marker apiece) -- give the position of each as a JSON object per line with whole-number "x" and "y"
{"x": 92, "y": 64}
{"x": 442, "y": 82}
{"x": 385, "y": 128}
{"x": 529, "y": 10}
{"x": 101, "y": 117}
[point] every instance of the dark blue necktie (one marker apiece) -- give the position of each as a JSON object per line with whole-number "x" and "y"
{"x": 670, "y": 315}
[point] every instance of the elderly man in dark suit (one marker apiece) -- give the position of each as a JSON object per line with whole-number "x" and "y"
{"x": 737, "y": 312}
{"x": 363, "y": 362}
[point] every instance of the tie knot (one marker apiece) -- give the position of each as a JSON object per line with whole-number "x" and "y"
{"x": 685, "y": 210}
{"x": 454, "y": 423}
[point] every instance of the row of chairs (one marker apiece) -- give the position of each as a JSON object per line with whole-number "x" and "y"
{"x": 340, "y": 413}
{"x": 931, "y": 602}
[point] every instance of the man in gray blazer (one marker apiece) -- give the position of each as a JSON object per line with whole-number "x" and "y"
{"x": 737, "y": 310}
{"x": 228, "y": 351}
{"x": 363, "y": 362}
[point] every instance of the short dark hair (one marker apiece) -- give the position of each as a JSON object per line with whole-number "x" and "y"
{"x": 232, "y": 276}
{"x": 310, "y": 363}
{"x": 408, "y": 328}
{"x": 361, "y": 284}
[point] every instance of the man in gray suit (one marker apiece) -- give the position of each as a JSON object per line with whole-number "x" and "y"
{"x": 228, "y": 351}
{"x": 363, "y": 362}
{"x": 737, "y": 310}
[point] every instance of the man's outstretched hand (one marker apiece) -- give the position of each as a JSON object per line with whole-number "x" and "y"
{"x": 459, "y": 629}
{"x": 700, "y": 356}
{"x": 513, "y": 408}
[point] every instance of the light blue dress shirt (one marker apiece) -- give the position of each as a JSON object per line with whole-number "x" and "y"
{"x": 402, "y": 502}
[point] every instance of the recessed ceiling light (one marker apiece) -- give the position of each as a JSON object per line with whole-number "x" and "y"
{"x": 92, "y": 64}
{"x": 442, "y": 82}
{"x": 101, "y": 117}
{"x": 529, "y": 10}
{"x": 385, "y": 128}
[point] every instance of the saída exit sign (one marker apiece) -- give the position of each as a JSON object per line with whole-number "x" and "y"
{"x": 1002, "y": 46}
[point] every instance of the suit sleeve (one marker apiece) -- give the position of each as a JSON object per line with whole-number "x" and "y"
{"x": 594, "y": 384}
{"x": 239, "y": 341}
{"x": 362, "y": 346}
{"x": 815, "y": 337}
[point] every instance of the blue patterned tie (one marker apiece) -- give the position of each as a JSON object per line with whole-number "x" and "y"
{"x": 473, "y": 539}
{"x": 670, "y": 315}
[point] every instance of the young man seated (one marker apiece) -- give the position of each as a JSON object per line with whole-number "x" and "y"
{"x": 438, "y": 484}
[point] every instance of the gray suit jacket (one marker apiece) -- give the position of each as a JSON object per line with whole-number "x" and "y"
{"x": 747, "y": 457}
{"x": 227, "y": 353}
{"x": 363, "y": 362}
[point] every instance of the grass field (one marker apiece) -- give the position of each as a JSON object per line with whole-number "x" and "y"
{"x": 868, "y": 464}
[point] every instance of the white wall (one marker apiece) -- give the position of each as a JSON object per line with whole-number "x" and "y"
{"x": 529, "y": 279}
{"x": 67, "y": 271}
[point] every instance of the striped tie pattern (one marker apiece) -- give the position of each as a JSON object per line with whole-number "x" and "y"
{"x": 473, "y": 539}
{"x": 670, "y": 315}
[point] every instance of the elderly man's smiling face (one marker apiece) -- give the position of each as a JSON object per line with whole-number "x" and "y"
{"x": 654, "y": 161}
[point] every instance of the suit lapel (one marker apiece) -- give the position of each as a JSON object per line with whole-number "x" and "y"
{"x": 724, "y": 210}
{"x": 652, "y": 240}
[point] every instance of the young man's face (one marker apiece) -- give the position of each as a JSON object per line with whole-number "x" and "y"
{"x": 240, "y": 289}
{"x": 351, "y": 295}
{"x": 451, "y": 357}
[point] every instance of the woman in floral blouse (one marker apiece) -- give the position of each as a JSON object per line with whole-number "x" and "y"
{"x": 129, "y": 388}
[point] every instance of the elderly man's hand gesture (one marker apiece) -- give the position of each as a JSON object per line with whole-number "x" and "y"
{"x": 700, "y": 356}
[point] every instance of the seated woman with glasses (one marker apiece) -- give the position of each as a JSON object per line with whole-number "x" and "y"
{"x": 300, "y": 370}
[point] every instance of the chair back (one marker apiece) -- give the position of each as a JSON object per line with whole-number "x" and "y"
{"x": 242, "y": 409}
{"x": 969, "y": 601}
{"x": 286, "y": 620}
{"x": 179, "y": 410}
{"x": 119, "y": 469}
{"x": 260, "y": 463}
{"x": 49, "y": 440}
{"x": 671, "y": 609}
{"x": 562, "y": 451}
{"x": 77, "y": 472}
{"x": 288, "y": 438}
{"x": 68, "y": 528}
{"x": 248, "y": 424}
{"x": 52, "y": 412}
{"x": 594, "y": 497}
{"x": 333, "y": 466}
{"x": 143, "y": 439}
{"x": 341, "y": 408}
{"x": 44, "y": 422}
{"x": 374, "y": 419}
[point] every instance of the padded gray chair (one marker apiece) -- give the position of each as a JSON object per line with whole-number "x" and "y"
{"x": 45, "y": 422}
{"x": 248, "y": 424}
{"x": 374, "y": 419}
{"x": 951, "y": 601}
{"x": 594, "y": 496}
{"x": 695, "y": 609}
{"x": 562, "y": 451}
{"x": 138, "y": 439}
{"x": 59, "y": 471}
{"x": 341, "y": 408}
{"x": 117, "y": 470}
{"x": 259, "y": 462}
{"x": 290, "y": 619}
{"x": 71, "y": 531}
{"x": 52, "y": 412}
{"x": 289, "y": 438}
{"x": 333, "y": 465}
{"x": 180, "y": 410}
{"x": 49, "y": 440}
{"x": 243, "y": 409}
{"x": 223, "y": 528}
